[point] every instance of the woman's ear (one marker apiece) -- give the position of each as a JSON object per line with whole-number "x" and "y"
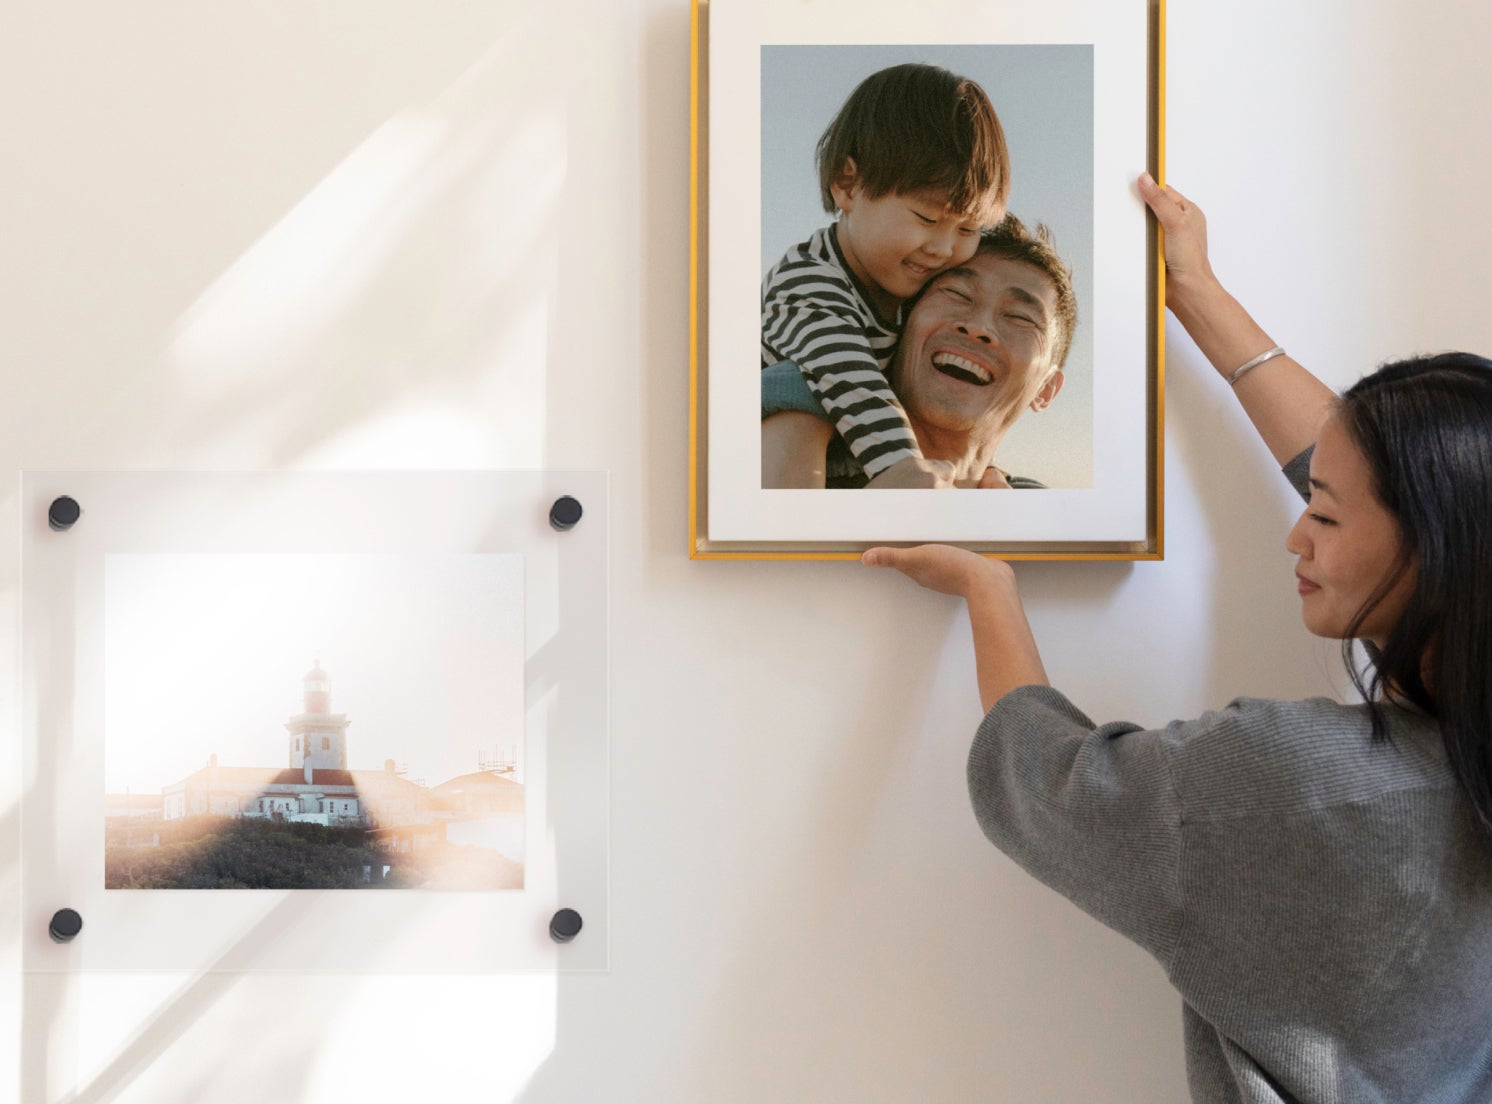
{"x": 844, "y": 188}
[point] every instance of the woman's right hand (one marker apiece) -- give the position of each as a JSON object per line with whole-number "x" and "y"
{"x": 1185, "y": 236}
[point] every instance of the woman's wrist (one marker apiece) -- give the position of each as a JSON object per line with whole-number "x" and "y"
{"x": 1005, "y": 652}
{"x": 993, "y": 581}
{"x": 1192, "y": 297}
{"x": 1222, "y": 329}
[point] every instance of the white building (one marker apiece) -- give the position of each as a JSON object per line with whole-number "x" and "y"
{"x": 315, "y": 786}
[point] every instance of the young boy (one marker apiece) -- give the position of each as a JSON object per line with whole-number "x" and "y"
{"x": 913, "y": 164}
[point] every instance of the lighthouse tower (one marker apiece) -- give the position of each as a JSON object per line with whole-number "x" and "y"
{"x": 318, "y": 737}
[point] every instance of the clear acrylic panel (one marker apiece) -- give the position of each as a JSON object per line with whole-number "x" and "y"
{"x": 311, "y": 721}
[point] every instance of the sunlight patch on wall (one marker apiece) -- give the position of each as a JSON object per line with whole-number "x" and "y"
{"x": 292, "y": 284}
{"x": 490, "y": 1035}
{"x": 399, "y": 313}
{"x": 417, "y": 434}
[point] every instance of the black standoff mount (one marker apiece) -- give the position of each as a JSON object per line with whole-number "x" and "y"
{"x": 66, "y": 924}
{"x": 565, "y": 513}
{"x": 63, "y": 513}
{"x": 565, "y": 926}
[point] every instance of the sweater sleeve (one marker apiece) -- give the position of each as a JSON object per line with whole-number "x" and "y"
{"x": 1090, "y": 811}
{"x": 1298, "y": 472}
{"x": 809, "y": 317}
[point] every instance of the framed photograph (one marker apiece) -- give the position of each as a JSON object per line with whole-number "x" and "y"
{"x": 923, "y": 227}
{"x": 315, "y": 721}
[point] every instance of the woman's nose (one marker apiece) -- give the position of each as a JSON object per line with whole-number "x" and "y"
{"x": 1295, "y": 542}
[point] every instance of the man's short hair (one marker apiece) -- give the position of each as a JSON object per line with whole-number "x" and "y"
{"x": 1038, "y": 249}
{"x": 914, "y": 127}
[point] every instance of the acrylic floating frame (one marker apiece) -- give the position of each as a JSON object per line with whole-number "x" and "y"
{"x": 1079, "y": 89}
{"x": 315, "y": 721}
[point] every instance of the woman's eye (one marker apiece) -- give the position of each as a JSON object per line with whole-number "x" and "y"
{"x": 924, "y": 219}
{"x": 1321, "y": 519}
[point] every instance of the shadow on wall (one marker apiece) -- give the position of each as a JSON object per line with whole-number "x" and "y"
{"x": 53, "y": 1002}
{"x": 397, "y": 316}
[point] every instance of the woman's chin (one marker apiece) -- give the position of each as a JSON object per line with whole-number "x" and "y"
{"x": 1326, "y": 630}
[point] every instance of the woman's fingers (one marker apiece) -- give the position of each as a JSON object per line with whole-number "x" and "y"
{"x": 1168, "y": 204}
{"x": 1182, "y": 203}
{"x": 935, "y": 566}
{"x": 1185, "y": 230}
{"x": 909, "y": 561}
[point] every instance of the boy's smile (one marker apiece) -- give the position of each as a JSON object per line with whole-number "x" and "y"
{"x": 896, "y": 242}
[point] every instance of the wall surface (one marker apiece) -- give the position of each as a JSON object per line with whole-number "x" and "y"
{"x": 351, "y": 235}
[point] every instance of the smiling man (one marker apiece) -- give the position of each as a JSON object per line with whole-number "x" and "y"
{"x": 983, "y": 344}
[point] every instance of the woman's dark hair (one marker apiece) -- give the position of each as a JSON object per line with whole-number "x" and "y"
{"x": 1424, "y": 426}
{"x": 917, "y": 126}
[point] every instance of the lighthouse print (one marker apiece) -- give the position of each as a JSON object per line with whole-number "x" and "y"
{"x": 334, "y": 722}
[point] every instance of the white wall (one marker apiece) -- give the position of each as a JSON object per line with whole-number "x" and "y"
{"x": 377, "y": 235}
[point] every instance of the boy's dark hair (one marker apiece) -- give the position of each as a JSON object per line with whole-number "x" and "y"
{"x": 1424, "y": 425}
{"x": 1037, "y": 248}
{"x": 912, "y": 127}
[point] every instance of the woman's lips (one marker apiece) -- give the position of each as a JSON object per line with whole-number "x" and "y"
{"x": 1304, "y": 586}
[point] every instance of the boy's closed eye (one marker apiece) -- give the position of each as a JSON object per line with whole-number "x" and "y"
{"x": 928, "y": 217}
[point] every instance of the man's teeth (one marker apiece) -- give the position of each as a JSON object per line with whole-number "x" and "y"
{"x": 967, "y": 367}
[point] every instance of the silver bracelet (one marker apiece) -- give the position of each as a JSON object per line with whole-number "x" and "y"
{"x": 1252, "y": 364}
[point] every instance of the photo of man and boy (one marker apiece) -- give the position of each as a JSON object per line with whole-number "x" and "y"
{"x": 902, "y": 341}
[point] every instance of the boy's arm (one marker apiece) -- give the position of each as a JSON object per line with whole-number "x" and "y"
{"x": 796, "y": 436}
{"x": 817, "y": 327}
{"x": 794, "y": 446}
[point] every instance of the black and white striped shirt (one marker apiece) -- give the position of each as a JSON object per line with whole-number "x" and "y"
{"x": 815, "y": 314}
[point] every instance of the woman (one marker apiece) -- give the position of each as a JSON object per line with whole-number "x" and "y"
{"x": 1316, "y": 878}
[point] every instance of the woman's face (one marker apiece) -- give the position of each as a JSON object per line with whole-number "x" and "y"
{"x": 1347, "y": 544}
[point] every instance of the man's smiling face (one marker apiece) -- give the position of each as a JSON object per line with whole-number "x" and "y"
{"x": 977, "y": 348}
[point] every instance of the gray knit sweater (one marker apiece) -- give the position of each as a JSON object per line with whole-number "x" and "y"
{"x": 1321, "y": 900}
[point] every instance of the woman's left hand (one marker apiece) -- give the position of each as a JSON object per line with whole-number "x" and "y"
{"x": 1005, "y": 653}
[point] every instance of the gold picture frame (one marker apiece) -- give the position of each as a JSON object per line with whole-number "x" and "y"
{"x": 774, "y": 64}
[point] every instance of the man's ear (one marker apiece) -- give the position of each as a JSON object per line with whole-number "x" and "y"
{"x": 844, "y": 188}
{"x": 1048, "y": 392}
